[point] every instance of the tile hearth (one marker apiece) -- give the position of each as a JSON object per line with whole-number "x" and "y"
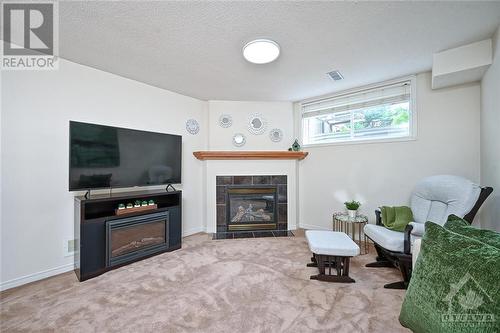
{"x": 252, "y": 234}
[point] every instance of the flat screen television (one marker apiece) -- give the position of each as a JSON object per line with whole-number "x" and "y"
{"x": 112, "y": 157}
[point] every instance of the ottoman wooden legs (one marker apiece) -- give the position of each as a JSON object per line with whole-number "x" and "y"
{"x": 339, "y": 265}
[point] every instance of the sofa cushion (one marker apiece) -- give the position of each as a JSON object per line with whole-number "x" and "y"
{"x": 454, "y": 286}
{"x": 415, "y": 251}
{"x": 460, "y": 226}
{"x": 388, "y": 239}
{"x": 436, "y": 197}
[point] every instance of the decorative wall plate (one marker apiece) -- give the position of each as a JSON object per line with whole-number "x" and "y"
{"x": 192, "y": 126}
{"x": 239, "y": 140}
{"x": 225, "y": 121}
{"x": 256, "y": 124}
{"x": 276, "y": 135}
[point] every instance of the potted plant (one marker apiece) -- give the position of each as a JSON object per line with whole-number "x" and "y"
{"x": 352, "y": 208}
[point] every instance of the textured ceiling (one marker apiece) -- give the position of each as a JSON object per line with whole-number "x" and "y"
{"x": 194, "y": 48}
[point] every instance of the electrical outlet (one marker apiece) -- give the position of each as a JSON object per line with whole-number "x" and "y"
{"x": 70, "y": 246}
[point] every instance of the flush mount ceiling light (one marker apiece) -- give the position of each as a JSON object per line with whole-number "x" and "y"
{"x": 261, "y": 51}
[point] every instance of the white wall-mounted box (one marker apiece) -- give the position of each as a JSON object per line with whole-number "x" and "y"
{"x": 461, "y": 65}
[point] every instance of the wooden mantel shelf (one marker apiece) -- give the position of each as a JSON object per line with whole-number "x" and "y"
{"x": 250, "y": 155}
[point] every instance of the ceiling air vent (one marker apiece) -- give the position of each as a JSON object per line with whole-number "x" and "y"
{"x": 335, "y": 75}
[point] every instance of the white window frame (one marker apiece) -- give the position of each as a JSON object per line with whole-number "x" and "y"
{"x": 413, "y": 113}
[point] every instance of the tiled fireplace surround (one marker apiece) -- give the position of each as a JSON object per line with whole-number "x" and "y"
{"x": 248, "y": 168}
{"x": 223, "y": 183}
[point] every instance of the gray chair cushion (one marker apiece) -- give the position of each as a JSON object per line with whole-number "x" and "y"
{"x": 388, "y": 239}
{"x": 436, "y": 197}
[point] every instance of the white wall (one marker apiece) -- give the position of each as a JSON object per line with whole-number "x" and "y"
{"x": 1, "y": 159}
{"x": 385, "y": 173}
{"x": 37, "y": 215}
{"x": 278, "y": 115}
{"x": 490, "y": 139}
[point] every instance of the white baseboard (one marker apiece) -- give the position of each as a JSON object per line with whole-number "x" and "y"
{"x": 64, "y": 268}
{"x": 316, "y": 227}
{"x": 310, "y": 226}
{"x": 36, "y": 276}
{"x": 192, "y": 231}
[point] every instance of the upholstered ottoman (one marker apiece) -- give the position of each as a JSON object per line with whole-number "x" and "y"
{"x": 332, "y": 250}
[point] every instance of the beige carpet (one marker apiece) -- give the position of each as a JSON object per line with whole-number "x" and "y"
{"x": 241, "y": 285}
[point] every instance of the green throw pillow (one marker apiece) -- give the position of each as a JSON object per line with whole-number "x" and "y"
{"x": 454, "y": 286}
{"x": 462, "y": 227}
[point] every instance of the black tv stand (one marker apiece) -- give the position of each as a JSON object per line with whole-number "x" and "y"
{"x": 96, "y": 218}
{"x": 87, "y": 194}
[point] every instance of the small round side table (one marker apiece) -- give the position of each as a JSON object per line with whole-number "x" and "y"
{"x": 343, "y": 223}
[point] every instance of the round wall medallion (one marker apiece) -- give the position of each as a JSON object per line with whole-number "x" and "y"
{"x": 256, "y": 124}
{"x": 225, "y": 121}
{"x": 276, "y": 135}
{"x": 239, "y": 140}
{"x": 192, "y": 126}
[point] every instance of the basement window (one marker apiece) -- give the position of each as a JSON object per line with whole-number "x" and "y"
{"x": 384, "y": 112}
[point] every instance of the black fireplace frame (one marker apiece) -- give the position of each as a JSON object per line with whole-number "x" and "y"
{"x": 133, "y": 221}
{"x": 246, "y": 226}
